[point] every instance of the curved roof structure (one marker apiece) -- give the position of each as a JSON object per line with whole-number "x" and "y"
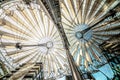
{"x": 87, "y": 24}
{"x": 29, "y": 34}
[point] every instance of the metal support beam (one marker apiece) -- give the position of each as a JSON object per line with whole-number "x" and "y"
{"x": 75, "y": 73}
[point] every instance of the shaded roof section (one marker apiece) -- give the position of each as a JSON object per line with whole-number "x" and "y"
{"x": 87, "y": 24}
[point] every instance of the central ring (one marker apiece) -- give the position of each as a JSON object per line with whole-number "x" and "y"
{"x": 49, "y": 44}
{"x": 78, "y": 32}
{"x": 78, "y": 35}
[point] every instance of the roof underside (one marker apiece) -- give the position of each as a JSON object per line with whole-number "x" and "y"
{"x": 29, "y": 34}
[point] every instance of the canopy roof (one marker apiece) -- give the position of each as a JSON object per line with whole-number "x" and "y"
{"x": 28, "y": 34}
